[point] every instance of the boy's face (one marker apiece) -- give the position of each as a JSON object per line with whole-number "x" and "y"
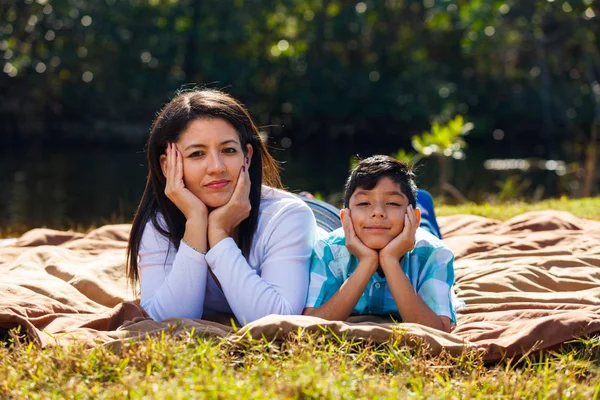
{"x": 378, "y": 214}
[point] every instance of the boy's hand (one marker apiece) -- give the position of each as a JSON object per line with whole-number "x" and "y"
{"x": 223, "y": 221}
{"x": 355, "y": 246}
{"x": 405, "y": 241}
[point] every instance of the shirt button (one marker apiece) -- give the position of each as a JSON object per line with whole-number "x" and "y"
{"x": 377, "y": 286}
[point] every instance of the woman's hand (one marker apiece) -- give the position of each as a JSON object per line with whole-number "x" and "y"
{"x": 405, "y": 241}
{"x": 187, "y": 202}
{"x": 355, "y": 246}
{"x": 223, "y": 221}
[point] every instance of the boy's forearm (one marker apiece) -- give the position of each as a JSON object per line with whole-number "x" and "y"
{"x": 411, "y": 307}
{"x": 340, "y": 305}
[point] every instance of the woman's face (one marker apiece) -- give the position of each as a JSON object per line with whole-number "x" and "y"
{"x": 212, "y": 159}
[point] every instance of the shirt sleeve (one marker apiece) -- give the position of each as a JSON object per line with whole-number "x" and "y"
{"x": 437, "y": 280}
{"x": 322, "y": 284}
{"x": 172, "y": 282}
{"x": 280, "y": 283}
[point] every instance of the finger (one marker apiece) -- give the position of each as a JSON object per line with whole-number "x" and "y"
{"x": 407, "y": 224}
{"x": 238, "y": 192}
{"x": 170, "y": 176}
{"x": 247, "y": 180}
{"x": 347, "y": 225}
{"x": 411, "y": 215}
{"x": 178, "y": 167}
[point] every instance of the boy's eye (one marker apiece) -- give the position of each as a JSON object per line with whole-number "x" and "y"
{"x": 362, "y": 204}
{"x": 392, "y": 203}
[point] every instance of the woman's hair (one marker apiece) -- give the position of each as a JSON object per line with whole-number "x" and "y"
{"x": 168, "y": 126}
{"x": 369, "y": 171}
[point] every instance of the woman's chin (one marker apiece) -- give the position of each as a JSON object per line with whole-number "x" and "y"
{"x": 216, "y": 200}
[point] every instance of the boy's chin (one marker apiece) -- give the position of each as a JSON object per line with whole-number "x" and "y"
{"x": 376, "y": 243}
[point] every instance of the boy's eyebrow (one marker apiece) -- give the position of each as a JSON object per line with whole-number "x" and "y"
{"x": 396, "y": 193}
{"x": 201, "y": 146}
{"x": 388, "y": 193}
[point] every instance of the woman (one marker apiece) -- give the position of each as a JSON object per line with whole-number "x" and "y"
{"x": 213, "y": 233}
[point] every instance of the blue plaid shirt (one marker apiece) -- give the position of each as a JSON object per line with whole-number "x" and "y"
{"x": 429, "y": 268}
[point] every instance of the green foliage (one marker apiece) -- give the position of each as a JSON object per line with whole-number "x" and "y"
{"x": 315, "y": 66}
{"x": 444, "y": 140}
{"x": 512, "y": 188}
{"x": 409, "y": 158}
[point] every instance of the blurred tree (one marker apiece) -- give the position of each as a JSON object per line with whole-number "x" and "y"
{"x": 369, "y": 72}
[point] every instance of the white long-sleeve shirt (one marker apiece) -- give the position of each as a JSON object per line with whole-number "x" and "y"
{"x": 274, "y": 279}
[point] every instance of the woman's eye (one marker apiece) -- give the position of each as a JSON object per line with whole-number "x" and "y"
{"x": 229, "y": 150}
{"x": 196, "y": 154}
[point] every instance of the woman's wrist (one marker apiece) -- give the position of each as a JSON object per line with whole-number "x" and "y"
{"x": 194, "y": 247}
{"x": 195, "y": 235}
{"x": 216, "y": 235}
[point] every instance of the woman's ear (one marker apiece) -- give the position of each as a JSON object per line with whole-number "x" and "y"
{"x": 249, "y": 152}
{"x": 163, "y": 164}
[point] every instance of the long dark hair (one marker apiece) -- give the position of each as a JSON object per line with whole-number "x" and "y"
{"x": 168, "y": 126}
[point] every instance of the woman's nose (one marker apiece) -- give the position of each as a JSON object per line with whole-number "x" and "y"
{"x": 215, "y": 163}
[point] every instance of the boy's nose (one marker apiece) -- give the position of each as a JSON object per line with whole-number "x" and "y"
{"x": 378, "y": 212}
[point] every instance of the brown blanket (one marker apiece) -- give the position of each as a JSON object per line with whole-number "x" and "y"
{"x": 530, "y": 283}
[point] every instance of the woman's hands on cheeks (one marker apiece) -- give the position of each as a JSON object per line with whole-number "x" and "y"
{"x": 224, "y": 220}
{"x": 405, "y": 241}
{"x": 355, "y": 246}
{"x": 187, "y": 202}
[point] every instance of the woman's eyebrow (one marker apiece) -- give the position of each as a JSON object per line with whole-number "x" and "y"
{"x": 200, "y": 145}
{"x": 195, "y": 146}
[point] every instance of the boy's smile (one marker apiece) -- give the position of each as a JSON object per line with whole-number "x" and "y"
{"x": 378, "y": 214}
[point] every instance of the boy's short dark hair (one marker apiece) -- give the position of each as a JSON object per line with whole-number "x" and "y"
{"x": 369, "y": 171}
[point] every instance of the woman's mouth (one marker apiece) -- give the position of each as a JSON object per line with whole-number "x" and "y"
{"x": 217, "y": 184}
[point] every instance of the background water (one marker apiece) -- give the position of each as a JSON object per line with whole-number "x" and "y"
{"x": 80, "y": 186}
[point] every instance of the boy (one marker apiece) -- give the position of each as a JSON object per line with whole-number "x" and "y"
{"x": 380, "y": 262}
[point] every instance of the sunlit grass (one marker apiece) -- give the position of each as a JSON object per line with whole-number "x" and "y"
{"x": 588, "y": 208}
{"x": 303, "y": 366}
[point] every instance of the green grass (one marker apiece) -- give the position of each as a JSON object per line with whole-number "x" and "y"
{"x": 588, "y": 208}
{"x": 304, "y": 366}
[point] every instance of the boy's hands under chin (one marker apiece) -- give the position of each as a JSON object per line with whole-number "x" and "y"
{"x": 405, "y": 241}
{"x": 223, "y": 221}
{"x": 355, "y": 246}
